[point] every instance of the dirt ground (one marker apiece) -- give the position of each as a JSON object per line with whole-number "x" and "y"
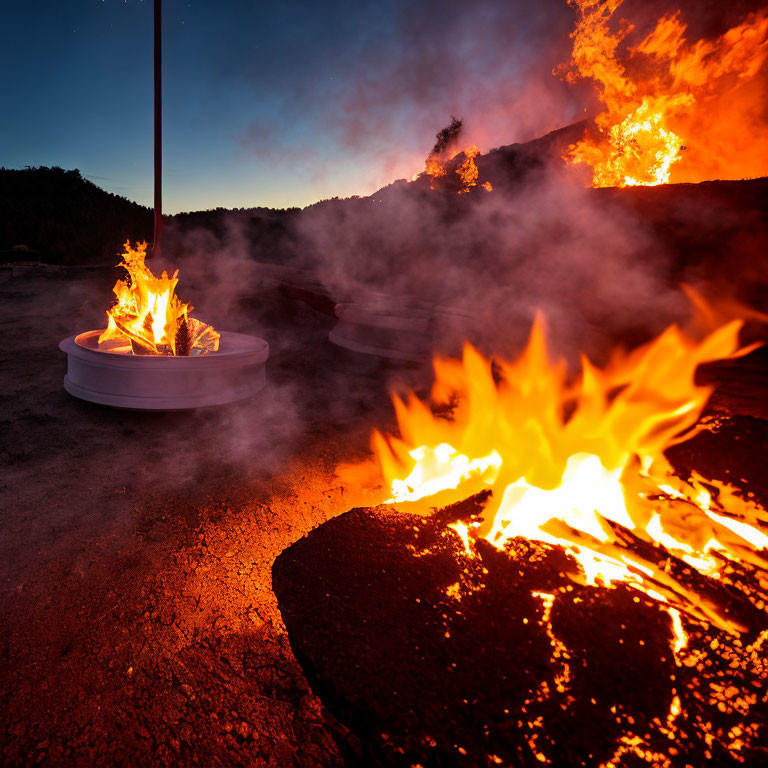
{"x": 138, "y": 625}
{"x": 137, "y": 621}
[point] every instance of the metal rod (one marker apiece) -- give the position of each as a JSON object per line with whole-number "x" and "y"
{"x": 158, "y": 128}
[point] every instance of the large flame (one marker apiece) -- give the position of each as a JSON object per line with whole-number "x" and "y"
{"x": 150, "y": 317}
{"x": 674, "y": 111}
{"x": 580, "y": 464}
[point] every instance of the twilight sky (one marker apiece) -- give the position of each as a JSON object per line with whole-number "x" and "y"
{"x": 274, "y": 104}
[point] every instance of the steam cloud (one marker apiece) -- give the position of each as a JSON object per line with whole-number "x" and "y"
{"x": 594, "y": 271}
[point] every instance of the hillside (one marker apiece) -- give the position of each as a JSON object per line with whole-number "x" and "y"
{"x": 69, "y": 220}
{"x": 66, "y": 218}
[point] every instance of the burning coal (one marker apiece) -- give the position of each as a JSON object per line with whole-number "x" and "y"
{"x": 149, "y": 318}
{"x": 674, "y": 110}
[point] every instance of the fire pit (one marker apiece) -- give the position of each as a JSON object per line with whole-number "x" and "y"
{"x": 158, "y": 383}
{"x": 395, "y": 328}
{"x": 153, "y": 355}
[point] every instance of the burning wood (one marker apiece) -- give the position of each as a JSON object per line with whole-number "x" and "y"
{"x": 435, "y": 656}
{"x": 674, "y": 111}
{"x": 153, "y": 356}
{"x": 150, "y": 317}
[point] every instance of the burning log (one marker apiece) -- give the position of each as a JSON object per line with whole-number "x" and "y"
{"x": 580, "y": 463}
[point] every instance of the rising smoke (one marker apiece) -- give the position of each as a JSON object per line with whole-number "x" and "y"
{"x": 495, "y": 259}
{"x": 447, "y": 138}
{"x": 597, "y": 270}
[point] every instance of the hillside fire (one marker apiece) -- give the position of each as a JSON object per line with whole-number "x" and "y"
{"x": 673, "y": 110}
{"x": 438, "y": 161}
{"x": 464, "y": 167}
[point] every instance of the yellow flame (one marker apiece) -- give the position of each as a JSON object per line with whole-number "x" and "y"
{"x": 665, "y": 95}
{"x": 149, "y": 315}
{"x": 467, "y": 170}
{"x": 574, "y": 463}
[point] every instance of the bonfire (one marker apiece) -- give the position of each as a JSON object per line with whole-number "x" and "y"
{"x": 149, "y": 318}
{"x": 575, "y": 464}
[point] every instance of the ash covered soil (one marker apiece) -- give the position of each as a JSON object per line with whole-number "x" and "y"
{"x": 137, "y": 622}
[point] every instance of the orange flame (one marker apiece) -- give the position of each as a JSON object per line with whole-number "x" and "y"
{"x": 580, "y": 464}
{"x": 434, "y": 168}
{"x": 690, "y": 112}
{"x": 150, "y": 317}
{"x": 467, "y": 171}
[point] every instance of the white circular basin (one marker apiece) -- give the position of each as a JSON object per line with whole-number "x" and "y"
{"x": 109, "y": 376}
{"x": 397, "y": 329}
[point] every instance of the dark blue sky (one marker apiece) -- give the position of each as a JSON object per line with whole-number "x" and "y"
{"x": 273, "y": 104}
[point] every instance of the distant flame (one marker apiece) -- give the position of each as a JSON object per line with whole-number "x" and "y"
{"x": 434, "y": 169}
{"x": 673, "y": 111}
{"x": 467, "y": 170}
{"x": 580, "y": 464}
{"x": 149, "y": 316}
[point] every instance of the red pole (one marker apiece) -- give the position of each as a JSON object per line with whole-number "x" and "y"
{"x": 158, "y": 128}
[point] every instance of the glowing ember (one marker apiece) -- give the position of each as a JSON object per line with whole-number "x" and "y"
{"x": 674, "y": 111}
{"x": 148, "y": 318}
